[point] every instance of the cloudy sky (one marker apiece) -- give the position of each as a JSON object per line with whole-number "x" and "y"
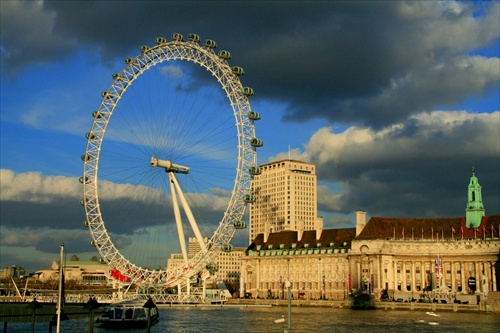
{"x": 393, "y": 101}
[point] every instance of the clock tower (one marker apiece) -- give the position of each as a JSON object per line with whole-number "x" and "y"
{"x": 475, "y": 209}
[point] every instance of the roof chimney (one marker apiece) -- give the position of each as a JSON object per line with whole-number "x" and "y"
{"x": 360, "y": 221}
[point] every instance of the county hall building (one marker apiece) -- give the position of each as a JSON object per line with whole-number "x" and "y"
{"x": 396, "y": 258}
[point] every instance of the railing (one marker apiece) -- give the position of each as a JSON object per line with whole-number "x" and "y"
{"x": 211, "y": 296}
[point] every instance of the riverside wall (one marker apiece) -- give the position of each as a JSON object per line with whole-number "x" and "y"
{"x": 491, "y": 304}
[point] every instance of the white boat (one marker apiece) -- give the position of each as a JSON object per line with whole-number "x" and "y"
{"x": 129, "y": 314}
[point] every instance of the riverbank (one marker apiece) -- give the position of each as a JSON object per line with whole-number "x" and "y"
{"x": 491, "y": 305}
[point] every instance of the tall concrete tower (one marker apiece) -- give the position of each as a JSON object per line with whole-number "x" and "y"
{"x": 475, "y": 209}
{"x": 286, "y": 198}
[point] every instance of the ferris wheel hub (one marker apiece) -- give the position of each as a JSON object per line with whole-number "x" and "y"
{"x": 168, "y": 166}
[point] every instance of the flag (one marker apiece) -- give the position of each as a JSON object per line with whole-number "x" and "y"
{"x": 452, "y": 232}
{"x": 403, "y": 233}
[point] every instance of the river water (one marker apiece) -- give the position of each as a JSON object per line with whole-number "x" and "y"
{"x": 261, "y": 320}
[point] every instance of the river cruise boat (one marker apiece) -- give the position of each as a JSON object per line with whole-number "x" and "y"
{"x": 129, "y": 314}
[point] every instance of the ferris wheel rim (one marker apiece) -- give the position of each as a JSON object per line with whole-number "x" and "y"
{"x": 149, "y": 57}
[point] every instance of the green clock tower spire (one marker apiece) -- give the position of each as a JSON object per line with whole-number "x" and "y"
{"x": 475, "y": 209}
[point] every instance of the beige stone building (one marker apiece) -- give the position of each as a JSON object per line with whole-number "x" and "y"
{"x": 407, "y": 257}
{"x": 400, "y": 258}
{"x": 285, "y": 198}
{"x": 427, "y": 257}
{"x": 316, "y": 264}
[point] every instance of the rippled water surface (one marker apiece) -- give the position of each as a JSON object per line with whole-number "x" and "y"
{"x": 261, "y": 320}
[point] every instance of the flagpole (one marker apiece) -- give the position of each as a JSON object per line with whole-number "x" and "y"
{"x": 61, "y": 255}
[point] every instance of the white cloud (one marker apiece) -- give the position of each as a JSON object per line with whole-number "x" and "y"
{"x": 171, "y": 71}
{"x": 423, "y": 134}
{"x": 36, "y": 188}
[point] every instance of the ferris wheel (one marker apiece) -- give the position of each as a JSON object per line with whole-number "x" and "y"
{"x": 176, "y": 161}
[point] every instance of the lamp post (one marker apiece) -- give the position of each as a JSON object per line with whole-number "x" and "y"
{"x": 288, "y": 287}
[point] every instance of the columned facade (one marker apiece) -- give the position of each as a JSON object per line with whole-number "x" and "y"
{"x": 408, "y": 268}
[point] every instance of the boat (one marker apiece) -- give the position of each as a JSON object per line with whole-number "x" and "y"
{"x": 129, "y": 314}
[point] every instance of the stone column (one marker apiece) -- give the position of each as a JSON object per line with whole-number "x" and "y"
{"x": 379, "y": 272}
{"x": 358, "y": 269}
{"x": 433, "y": 274}
{"x": 453, "y": 273}
{"x": 463, "y": 272}
{"x": 403, "y": 276}
{"x": 395, "y": 273}
{"x": 413, "y": 282}
{"x": 479, "y": 276}
{"x": 494, "y": 277}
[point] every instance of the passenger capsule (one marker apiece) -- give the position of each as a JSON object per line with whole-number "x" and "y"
{"x": 194, "y": 38}
{"x": 85, "y": 157}
{"x": 144, "y": 48}
{"x": 210, "y": 44}
{"x": 254, "y": 170}
{"x": 86, "y": 223}
{"x": 130, "y": 61}
{"x": 117, "y": 77}
{"x": 96, "y": 114}
{"x": 106, "y": 95}
{"x": 240, "y": 224}
{"x": 92, "y": 243}
{"x": 90, "y": 136}
{"x": 253, "y": 115}
{"x": 248, "y": 198}
{"x": 227, "y": 247}
{"x": 82, "y": 180}
{"x": 256, "y": 142}
{"x": 226, "y": 55}
{"x": 237, "y": 70}
{"x": 177, "y": 37}
{"x": 82, "y": 202}
{"x": 160, "y": 40}
{"x": 247, "y": 91}
{"x": 102, "y": 261}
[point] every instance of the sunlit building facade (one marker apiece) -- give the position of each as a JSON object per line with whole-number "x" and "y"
{"x": 285, "y": 198}
{"x": 394, "y": 258}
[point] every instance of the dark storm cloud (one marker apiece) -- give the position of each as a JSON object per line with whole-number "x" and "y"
{"x": 417, "y": 168}
{"x": 373, "y": 63}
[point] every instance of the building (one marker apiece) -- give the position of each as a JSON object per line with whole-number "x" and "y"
{"x": 400, "y": 258}
{"x": 227, "y": 264}
{"x": 13, "y": 271}
{"x": 406, "y": 257}
{"x": 317, "y": 265}
{"x": 285, "y": 198}
{"x": 92, "y": 272}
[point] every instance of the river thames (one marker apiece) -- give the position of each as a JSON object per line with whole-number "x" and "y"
{"x": 191, "y": 319}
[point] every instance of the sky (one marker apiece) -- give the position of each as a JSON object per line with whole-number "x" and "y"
{"x": 393, "y": 101}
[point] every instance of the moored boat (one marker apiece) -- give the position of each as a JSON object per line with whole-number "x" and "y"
{"x": 134, "y": 313}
